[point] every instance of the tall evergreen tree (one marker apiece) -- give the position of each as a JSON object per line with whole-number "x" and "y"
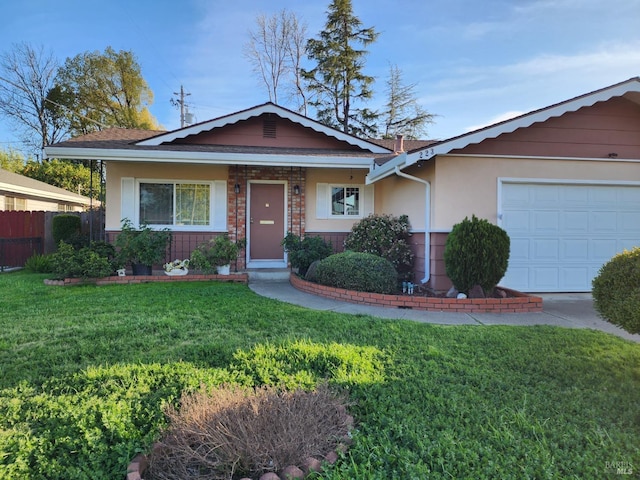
{"x": 402, "y": 113}
{"x": 337, "y": 83}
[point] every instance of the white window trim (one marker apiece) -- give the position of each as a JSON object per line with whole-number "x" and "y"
{"x": 130, "y": 203}
{"x": 324, "y": 208}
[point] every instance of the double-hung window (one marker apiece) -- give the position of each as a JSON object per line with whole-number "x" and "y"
{"x": 345, "y": 201}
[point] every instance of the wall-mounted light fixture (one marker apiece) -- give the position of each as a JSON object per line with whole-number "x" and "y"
{"x": 236, "y": 188}
{"x": 296, "y": 189}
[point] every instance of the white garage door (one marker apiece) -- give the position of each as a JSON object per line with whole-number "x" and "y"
{"x": 561, "y": 234}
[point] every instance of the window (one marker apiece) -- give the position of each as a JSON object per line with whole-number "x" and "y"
{"x": 348, "y": 202}
{"x": 167, "y": 203}
{"x": 345, "y": 201}
{"x": 15, "y": 203}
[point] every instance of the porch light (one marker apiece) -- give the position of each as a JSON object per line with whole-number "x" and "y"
{"x": 236, "y": 188}
{"x": 296, "y": 190}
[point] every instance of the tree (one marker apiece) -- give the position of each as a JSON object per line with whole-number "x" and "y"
{"x": 101, "y": 90}
{"x": 275, "y": 49}
{"x": 337, "y": 81}
{"x": 11, "y": 160}
{"x": 64, "y": 174}
{"x": 403, "y": 114}
{"x": 27, "y": 77}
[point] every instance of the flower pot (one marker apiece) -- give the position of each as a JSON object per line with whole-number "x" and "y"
{"x": 177, "y": 272}
{"x": 140, "y": 269}
{"x": 121, "y": 272}
{"x": 224, "y": 269}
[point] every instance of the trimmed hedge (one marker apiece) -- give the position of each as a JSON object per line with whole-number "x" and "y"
{"x": 364, "y": 272}
{"x": 616, "y": 290}
{"x": 65, "y": 228}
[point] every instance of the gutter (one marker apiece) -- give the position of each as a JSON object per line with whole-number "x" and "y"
{"x": 427, "y": 222}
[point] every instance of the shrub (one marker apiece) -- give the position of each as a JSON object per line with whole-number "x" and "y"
{"x": 215, "y": 253}
{"x": 68, "y": 262}
{"x": 144, "y": 246}
{"x": 385, "y": 236}
{"x": 364, "y": 272}
{"x": 303, "y": 252}
{"x": 38, "y": 264}
{"x": 616, "y": 290}
{"x": 476, "y": 253}
{"x": 65, "y": 227}
{"x": 233, "y": 433}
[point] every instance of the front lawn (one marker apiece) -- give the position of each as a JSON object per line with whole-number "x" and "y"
{"x": 85, "y": 371}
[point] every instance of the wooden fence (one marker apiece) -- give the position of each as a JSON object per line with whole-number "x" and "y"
{"x": 23, "y": 234}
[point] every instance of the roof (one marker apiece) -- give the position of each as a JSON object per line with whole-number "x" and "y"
{"x": 630, "y": 89}
{"x": 162, "y": 146}
{"x": 19, "y": 184}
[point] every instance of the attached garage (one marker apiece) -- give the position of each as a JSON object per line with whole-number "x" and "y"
{"x": 562, "y": 233}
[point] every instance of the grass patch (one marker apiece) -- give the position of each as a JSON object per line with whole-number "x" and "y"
{"x": 86, "y": 372}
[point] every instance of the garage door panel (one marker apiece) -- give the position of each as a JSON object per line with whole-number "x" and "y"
{"x": 575, "y": 222}
{"x": 574, "y": 249}
{"x": 545, "y": 249}
{"x": 545, "y": 222}
{"x": 604, "y": 222}
{"x": 517, "y": 221}
{"x": 565, "y": 233}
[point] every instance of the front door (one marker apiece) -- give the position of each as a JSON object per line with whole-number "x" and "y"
{"x": 266, "y": 225}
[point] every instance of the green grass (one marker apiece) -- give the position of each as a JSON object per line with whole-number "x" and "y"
{"x": 84, "y": 372}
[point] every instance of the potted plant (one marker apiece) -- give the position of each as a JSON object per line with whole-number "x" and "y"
{"x": 216, "y": 255}
{"x": 177, "y": 267}
{"x": 142, "y": 248}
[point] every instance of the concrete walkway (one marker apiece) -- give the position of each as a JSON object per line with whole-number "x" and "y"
{"x": 560, "y": 310}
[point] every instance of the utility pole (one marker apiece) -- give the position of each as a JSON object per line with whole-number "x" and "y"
{"x": 181, "y": 102}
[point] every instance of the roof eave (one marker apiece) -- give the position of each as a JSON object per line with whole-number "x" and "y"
{"x": 165, "y": 156}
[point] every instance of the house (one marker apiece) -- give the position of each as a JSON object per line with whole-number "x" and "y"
{"x": 18, "y": 192}
{"x": 563, "y": 181}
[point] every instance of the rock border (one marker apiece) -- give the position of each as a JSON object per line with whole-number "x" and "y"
{"x": 517, "y": 302}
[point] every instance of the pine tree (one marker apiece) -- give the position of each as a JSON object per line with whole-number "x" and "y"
{"x": 403, "y": 114}
{"x": 337, "y": 83}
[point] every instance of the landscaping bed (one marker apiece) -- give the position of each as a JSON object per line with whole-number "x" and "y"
{"x": 514, "y": 302}
{"x": 133, "y": 279}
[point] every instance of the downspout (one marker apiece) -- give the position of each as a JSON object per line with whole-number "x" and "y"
{"x": 427, "y": 222}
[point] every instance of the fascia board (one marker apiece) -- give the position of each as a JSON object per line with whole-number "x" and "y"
{"x": 323, "y": 161}
{"x": 386, "y": 170}
{"x": 7, "y": 187}
{"x": 523, "y": 121}
{"x": 254, "y": 112}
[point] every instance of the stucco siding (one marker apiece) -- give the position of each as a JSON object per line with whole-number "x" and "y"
{"x": 337, "y": 176}
{"x": 117, "y": 170}
{"x": 468, "y": 185}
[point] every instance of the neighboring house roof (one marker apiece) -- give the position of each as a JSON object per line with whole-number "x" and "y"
{"x": 14, "y": 183}
{"x": 629, "y": 89}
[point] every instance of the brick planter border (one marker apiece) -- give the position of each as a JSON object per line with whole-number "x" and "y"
{"x": 133, "y": 279}
{"x": 517, "y": 302}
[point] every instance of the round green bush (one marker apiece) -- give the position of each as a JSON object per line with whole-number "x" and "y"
{"x": 476, "y": 253}
{"x": 65, "y": 227}
{"x": 386, "y": 236}
{"x": 303, "y": 252}
{"x": 616, "y": 290}
{"x": 359, "y": 271}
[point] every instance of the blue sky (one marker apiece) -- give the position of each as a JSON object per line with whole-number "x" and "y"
{"x": 474, "y": 62}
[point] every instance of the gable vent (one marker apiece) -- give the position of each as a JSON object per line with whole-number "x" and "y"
{"x": 269, "y": 127}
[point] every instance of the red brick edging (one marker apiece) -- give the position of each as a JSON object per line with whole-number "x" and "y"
{"x": 517, "y": 302}
{"x": 133, "y": 279}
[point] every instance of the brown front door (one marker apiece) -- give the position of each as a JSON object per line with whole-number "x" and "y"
{"x": 267, "y": 222}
